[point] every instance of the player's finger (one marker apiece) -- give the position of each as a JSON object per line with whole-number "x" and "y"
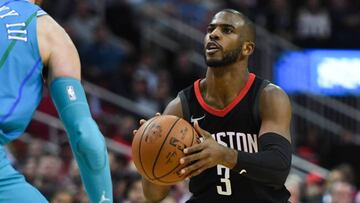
{"x": 194, "y": 148}
{"x": 142, "y": 121}
{"x": 134, "y": 132}
{"x": 192, "y": 158}
{"x": 158, "y": 114}
{"x": 197, "y": 172}
{"x": 193, "y": 167}
{"x": 205, "y": 134}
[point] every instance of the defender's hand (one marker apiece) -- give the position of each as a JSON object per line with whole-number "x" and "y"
{"x": 205, "y": 155}
{"x": 142, "y": 121}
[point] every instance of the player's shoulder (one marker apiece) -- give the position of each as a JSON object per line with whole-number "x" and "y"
{"x": 174, "y": 107}
{"x": 274, "y": 91}
{"x": 46, "y": 24}
{"x": 274, "y": 94}
{"x": 51, "y": 36}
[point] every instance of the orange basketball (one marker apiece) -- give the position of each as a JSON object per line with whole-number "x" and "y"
{"x": 158, "y": 146}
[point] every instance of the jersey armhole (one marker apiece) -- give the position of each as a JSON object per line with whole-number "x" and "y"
{"x": 40, "y": 13}
{"x": 184, "y": 106}
{"x": 255, "y": 110}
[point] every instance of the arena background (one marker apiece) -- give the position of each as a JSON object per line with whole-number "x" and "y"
{"x": 137, "y": 54}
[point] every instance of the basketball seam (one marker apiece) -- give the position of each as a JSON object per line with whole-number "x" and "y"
{"x": 166, "y": 182}
{"x": 157, "y": 156}
{"x": 193, "y": 136}
{"x": 175, "y": 168}
{"x": 158, "y": 178}
{"x": 139, "y": 151}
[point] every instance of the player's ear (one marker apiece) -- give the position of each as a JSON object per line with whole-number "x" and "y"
{"x": 248, "y": 48}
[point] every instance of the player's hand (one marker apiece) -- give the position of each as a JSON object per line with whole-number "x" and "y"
{"x": 142, "y": 121}
{"x": 204, "y": 155}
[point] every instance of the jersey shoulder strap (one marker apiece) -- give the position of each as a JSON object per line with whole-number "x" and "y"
{"x": 41, "y": 13}
{"x": 185, "y": 102}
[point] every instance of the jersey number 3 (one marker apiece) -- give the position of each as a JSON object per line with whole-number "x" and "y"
{"x": 225, "y": 187}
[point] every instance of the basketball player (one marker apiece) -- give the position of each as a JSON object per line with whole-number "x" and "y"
{"x": 30, "y": 39}
{"x": 245, "y": 155}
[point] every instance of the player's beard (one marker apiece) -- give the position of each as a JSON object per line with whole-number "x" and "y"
{"x": 228, "y": 58}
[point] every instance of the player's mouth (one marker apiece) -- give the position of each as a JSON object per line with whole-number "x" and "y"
{"x": 212, "y": 47}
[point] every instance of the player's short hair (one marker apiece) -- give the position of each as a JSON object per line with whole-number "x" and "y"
{"x": 249, "y": 26}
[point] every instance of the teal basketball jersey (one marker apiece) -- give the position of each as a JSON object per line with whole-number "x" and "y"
{"x": 20, "y": 67}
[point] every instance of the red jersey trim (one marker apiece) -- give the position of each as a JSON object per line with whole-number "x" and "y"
{"x": 228, "y": 108}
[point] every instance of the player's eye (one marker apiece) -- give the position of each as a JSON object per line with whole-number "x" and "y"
{"x": 227, "y": 30}
{"x": 210, "y": 29}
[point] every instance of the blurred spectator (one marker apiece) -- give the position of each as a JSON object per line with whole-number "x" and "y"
{"x": 357, "y": 197}
{"x": 81, "y": 197}
{"x": 313, "y": 25}
{"x": 102, "y": 56}
{"x": 123, "y": 133}
{"x": 122, "y": 79}
{"x": 314, "y": 188}
{"x": 185, "y": 72}
{"x": 163, "y": 93}
{"x": 72, "y": 182}
{"x": 121, "y": 19}
{"x": 346, "y": 137}
{"x": 42, "y": 130}
{"x": 345, "y": 17}
{"x": 309, "y": 147}
{"x": 61, "y": 10}
{"x": 48, "y": 175}
{"x": 342, "y": 152}
{"x": 341, "y": 192}
{"x": 341, "y": 173}
{"x": 29, "y": 169}
{"x": 191, "y": 12}
{"x": 120, "y": 183}
{"x": 145, "y": 69}
{"x": 62, "y": 197}
{"x": 118, "y": 164}
{"x": 82, "y": 24}
{"x": 213, "y": 6}
{"x": 134, "y": 190}
{"x": 181, "y": 192}
{"x": 248, "y": 7}
{"x": 35, "y": 148}
{"x": 279, "y": 18}
{"x": 141, "y": 95}
{"x": 66, "y": 156}
{"x": 293, "y": 184}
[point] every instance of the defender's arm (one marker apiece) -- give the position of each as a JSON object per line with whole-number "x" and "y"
{"x": 87, "y": 143}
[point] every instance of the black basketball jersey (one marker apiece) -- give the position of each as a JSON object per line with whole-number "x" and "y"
{"x": 236, "y": 126}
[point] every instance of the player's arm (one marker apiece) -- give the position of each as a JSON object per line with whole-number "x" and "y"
{"x": 155, "y": 193}
{"x": 271, "y": 165}
{"x": 59, "y": 54}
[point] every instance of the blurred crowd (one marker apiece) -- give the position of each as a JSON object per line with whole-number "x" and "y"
{"x": 108, "y": 36}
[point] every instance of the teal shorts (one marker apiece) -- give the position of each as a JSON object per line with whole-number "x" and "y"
{"x": 13, "y": 186}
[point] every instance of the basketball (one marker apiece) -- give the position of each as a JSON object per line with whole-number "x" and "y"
{"x": 158, "y": 146}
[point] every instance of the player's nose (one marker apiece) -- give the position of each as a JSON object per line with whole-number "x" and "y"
{"x": 214, "y": 35}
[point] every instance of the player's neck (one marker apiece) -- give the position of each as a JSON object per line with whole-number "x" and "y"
{"x": 222, "y": 85}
